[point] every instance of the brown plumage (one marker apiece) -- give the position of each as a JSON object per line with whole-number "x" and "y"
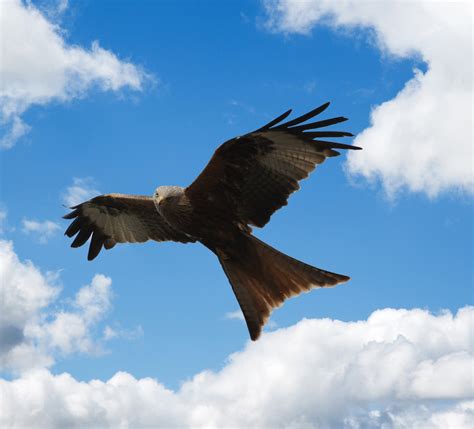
{"x": 245, "y": 182}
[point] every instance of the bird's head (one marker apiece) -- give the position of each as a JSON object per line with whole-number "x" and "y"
{"x": 167, "y": 194}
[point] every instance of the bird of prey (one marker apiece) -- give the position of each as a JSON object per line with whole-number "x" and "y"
{"x": 247, "y": 179}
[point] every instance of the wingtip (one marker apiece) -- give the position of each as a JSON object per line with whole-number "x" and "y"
{"x": 275, "y": 121}
{"x": 71, "y": 215}
{"x": 286, "y": 114}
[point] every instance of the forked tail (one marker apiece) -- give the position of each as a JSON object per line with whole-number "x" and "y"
{"x": 262, "y": 278}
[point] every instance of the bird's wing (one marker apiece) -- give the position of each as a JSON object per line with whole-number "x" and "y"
{"x": 117, "y": 218}
{"x": 253, "y": 175}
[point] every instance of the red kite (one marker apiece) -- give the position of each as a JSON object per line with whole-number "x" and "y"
{"x": 245, "y": 182}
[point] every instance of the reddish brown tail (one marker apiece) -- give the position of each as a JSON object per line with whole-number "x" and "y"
{"x": 263, "y": 278}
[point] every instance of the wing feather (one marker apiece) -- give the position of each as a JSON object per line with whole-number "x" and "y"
{"x": 304, "y": 117}
{"x": 275, "y": 121}
{"x": 97, "y": 241}
{"x": 320, "y": 124}
{"x": 109, "y": 243}
{"x": 83, "y": 236}
{"x": 118, "y": 218}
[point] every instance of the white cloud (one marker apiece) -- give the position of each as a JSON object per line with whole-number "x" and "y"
{"x": 17, "y": 129}
{"x": 44, "y": 230}
{"x": 397, "y": 369}
{"x": 81, "y": 190}
{"x": 421, "y": 140}
{"x": 3, "y": 219}
{"x": 24, "y": 292}
{"x": 111, "y": 333}
{"x": 32, "y": 332}
{"x": 39, "y": 67}
{"x": 72, "y": 331}
{"x": 61, "y": 6}
{"x": 235, "y": 315}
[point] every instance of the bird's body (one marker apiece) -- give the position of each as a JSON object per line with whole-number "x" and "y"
{"x": 245, "y": 182}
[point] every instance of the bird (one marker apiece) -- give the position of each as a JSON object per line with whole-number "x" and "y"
{"x": 247, "y": 179}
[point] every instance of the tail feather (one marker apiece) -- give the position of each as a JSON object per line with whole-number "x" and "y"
{"x": 262, "y": 278}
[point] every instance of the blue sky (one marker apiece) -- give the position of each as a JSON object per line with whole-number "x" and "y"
{"x": 210, "y": 71}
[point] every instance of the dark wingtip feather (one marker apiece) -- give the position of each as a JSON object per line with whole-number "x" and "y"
{"x": 109, "y": 243}
{"x": 82, "y": 237}
{"x": 317, "y": 134}
{"x": 331, "y": 145}
{"x": 71, "y": 215}
{"x": 319, "y": 124}
{"x": 96, "y": 245}
{"x": 332, "y": 153}
{"x": 73, "y": 228}
{"x": 275, "y": 121}
{"x": 305, "y": 117}
{"x": 94, "y": 248}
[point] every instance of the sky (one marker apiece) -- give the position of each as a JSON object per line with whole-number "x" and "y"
{"x": 101, "y": 97}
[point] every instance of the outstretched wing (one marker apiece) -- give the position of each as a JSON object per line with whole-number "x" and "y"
{"x": 253, "y": 175}
{"x": 118, "y": 218}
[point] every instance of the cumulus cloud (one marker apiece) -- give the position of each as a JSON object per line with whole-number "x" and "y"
{"x": 81, "y": 190}
{"x": 39, "y": 67}
{"x": 24, "y": 292}
{"x": 33, "y": 331}
{"x": 421, "y": 140}
{"x": 398, "y": 368}
{"x": 72, "y": 331}
{"x": 43, "y": 230}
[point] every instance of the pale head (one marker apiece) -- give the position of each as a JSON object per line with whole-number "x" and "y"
{"x": 169, "y": 193}
{"x": 172, "y": 203}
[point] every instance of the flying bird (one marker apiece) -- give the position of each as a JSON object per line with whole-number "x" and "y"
{"x": 247, "y": 179}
